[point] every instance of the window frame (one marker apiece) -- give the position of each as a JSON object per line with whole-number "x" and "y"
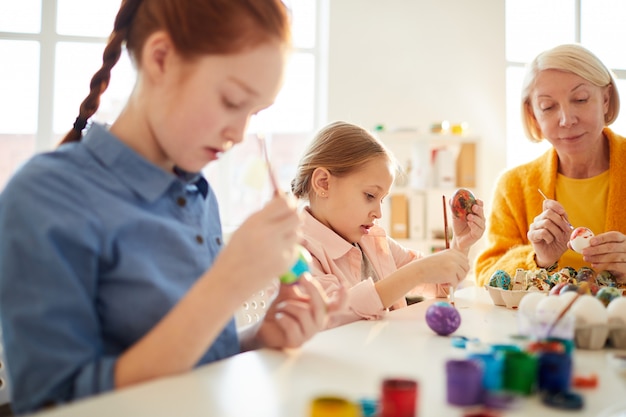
{"x": 513, "y": 135}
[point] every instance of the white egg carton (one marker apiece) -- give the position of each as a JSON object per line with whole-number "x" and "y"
{"x": 595, "y": 336}
{"x": 507, "y": 298}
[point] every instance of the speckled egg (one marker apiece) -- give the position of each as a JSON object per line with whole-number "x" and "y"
{"x": 571, "y": 272}
{"x": 608, "y": 294}
{"x": 500, "y": 279}
{"x": 605, "y": 278}
{"x": 568, "y": 288}
{"x": 585, "y": 274}
{"x": 443, "y": 318}
{"x": 461, "y": 203}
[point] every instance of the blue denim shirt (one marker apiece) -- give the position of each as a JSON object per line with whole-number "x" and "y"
{"x": 96, "y": 246}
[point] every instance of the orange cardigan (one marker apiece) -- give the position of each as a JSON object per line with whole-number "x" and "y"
{"x": 516, "y": 203}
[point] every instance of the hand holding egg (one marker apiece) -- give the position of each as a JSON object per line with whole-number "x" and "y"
{"x": 461, "y": 203}
{"x": 468, "y": 225}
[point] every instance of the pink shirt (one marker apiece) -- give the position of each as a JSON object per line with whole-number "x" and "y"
{"x": 338, "y": 263}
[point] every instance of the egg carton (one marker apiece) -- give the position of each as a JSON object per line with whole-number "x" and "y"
{"x": 507, "y": 298}
{"x": 596, "y": 336}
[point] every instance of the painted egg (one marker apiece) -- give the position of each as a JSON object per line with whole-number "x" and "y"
{"x": 569, "y": 272}
{"x": 300, "y": 267}
{"x": 500, "y": 279}
{"x": 579, "y": 239}
{"x": 585, "y": 274}
{"x": 443, "y": 318}
{"x": 605, "y": 278}
{"x": 568, "y": 288}
{"x": 556, "y": 290}
{"x": 461, "y": 203}
{"x": 608, "y": 294}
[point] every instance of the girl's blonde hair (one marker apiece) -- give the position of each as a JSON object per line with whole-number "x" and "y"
{"x": 341, "y": 148}
{"x": 571, "y": 58}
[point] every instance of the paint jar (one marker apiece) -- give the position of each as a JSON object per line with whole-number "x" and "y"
{"x": 555, "y": 371}
{"x": 464, "y": 382}
{"x": 399, "y": 398}
{"x": 493, "y": 365}
{"x": 330, "y": 406}
{"x": 520, "y": 372}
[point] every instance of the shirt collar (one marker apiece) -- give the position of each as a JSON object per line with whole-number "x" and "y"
{"x": 143, "y": 177}
{"x": 334, "y": 245}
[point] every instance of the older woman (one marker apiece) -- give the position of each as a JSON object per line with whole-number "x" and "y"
{"x": 569, "y": 98}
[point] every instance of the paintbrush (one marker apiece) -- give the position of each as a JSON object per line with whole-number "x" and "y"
{"x": 562, "y": 314}
{"x": 564, "y": 219}
{"x": 270, "y": 171}
{"x": 445, "y": 233}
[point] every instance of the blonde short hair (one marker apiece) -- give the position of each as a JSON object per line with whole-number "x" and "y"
{"x": 342, "y": 148}
{"x": 571, "y": 58}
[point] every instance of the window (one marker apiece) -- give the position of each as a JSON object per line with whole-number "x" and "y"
{"x": 55, "y": 48}
{"x": 535, "y": 25}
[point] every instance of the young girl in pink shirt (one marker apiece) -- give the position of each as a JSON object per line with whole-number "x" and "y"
{"x": 344, "y": 176}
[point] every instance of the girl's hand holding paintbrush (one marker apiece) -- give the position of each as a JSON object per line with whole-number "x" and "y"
{"x": 271, "y": 237}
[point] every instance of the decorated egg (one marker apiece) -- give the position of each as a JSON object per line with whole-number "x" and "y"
{"x": 443, "y": 318}
{"x": 608, "y": 294}
{"x": 500, "y": 279}
{"x": 568, "y": 288}
{"x": 300, "y": 267}
{"x": 556, "y": 290}
{"x": 605, "y": 278}
{"x": 585, "y": 274}
{"x": 462, "y": 202}
{"x": 579, "y": 239}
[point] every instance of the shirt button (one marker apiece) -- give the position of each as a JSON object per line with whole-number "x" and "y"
{"x": 181, "y": 201}
{"x": 218, "y": 241}
{"x": 199, "y": 239}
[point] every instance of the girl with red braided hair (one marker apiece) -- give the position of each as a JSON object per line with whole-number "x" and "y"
{"x": 112, "y": 264}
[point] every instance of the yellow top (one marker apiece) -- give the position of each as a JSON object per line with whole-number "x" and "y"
{"x": 517, "y": 202}
{"x": 585, "y": 200}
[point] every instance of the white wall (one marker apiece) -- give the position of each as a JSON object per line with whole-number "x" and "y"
{"x": 413, "y": 62}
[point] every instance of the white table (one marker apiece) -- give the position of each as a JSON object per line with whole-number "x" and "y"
{"x": 349, "y": 361}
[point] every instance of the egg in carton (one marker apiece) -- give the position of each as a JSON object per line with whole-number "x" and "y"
{"x": 616, "y": 311}
{"x": 592, "y": 328}
{"x": 537, "y": 280}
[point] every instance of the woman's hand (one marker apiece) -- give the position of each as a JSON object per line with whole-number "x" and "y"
{"x": 607, "y": 251}
{"x": 467, "y": 232}
{"x": 299, "y": 311}
{"x": 549, "y": 233}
